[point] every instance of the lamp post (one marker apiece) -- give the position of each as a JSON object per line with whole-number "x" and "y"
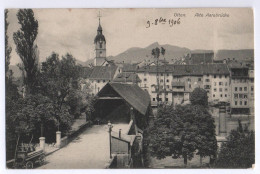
{"x": 110, "y": 126}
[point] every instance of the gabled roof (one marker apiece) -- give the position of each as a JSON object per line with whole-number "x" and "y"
{"x": 103, "y": 72}
{"x": 132, "y": 94}
{"x": 85, "y": 72}
{"x": 188, "y": 70}
{"x": 129, "y": 67}
{"x": 198, "y": 58}
{"x": 127, "y": 77}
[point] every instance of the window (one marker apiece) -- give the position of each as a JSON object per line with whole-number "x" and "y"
{"x": 167, "y": 80}
{"x": 166, "y": 99}
{"x": 104, "y": 81}
{"x": 225, "y": 76}
{"x": 167, "y": 74}
{"x": 240, "y": 95}
{"x": 235, "y": 102}
{"x": 240, "y": 89}
{"x": 98, "y": 81}
{"x": 161, "y": 80}
{"x": 168, "y": 86}
{"x": 240, "y": 102}
{"x": 215, "y": 89}
{"x": 153, "y": 99}
{"x": 199, "y": 79}
{"x": 207, "y": 80}
{"x": 220, "y": 83}
{"x": 235, "y": 95}
{"x": 215, "y": 76}
{"x": 226, "y": 89}
{"x": 245, "y": 96}
{"x": 235, "y": 88}
{"x": 188, "y": 79}
{"x": 145, "y": 79}
{"x": 245, "y": 88}
{"x": 213, "y": 95}
{"x": 252, "y": 88}
{"x": 220, "y": 89}
{"x": 189, "y": 85}
{"x": 221, "y": 95}
{"x": 245, "y": 103}
{"x": 225, "y": 95}
{"x": 161, "y": 74}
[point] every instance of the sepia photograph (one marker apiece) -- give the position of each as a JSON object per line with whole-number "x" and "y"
{"x": 129, "y": 88}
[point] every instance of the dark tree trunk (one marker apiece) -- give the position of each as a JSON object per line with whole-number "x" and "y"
{"x": 185, "y": 160}
{"x": 200, "y": 160}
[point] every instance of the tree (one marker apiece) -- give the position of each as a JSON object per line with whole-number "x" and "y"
{"x": 60, "y": 82}
{"x": 178, "y": 132}
{"x": 26, "y": 48}
{"x": 238, "y": 151}
{"x": 156, "y": 55}
{"x": 199, "y": 97}
{"x": 206, "y": 139}
{"x": 8, "y": 49}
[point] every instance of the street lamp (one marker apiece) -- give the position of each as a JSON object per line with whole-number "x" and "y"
{"x": 110, "y": 126}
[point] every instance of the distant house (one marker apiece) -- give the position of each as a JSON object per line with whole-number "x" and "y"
{"x": 199, "y": 58}
{"x": 100, "y": 76}
{"x": 127, "y": 77}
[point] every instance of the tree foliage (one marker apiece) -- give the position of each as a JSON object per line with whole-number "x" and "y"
{"x": 179, "y": 132}
{"x": 199, "y": 97}
{"x": 8, "y": 49}
{"x": 238, "y": 151}
{"x": 26, "y": 48}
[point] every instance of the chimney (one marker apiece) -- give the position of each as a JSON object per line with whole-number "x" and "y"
{"x": 119, "y": 133}
{"x": 222, "y": 120}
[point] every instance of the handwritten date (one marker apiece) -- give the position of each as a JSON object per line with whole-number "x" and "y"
{"x": 163, "y": 21}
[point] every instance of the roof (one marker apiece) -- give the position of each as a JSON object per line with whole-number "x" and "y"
{"x": 132, "y": 94}
{"x": 129, "y": 67}
{"x": 99, "y": 37}
{"x": 85, "y": 72}
{"x": 198, "y": 58}
{"x": 184, "y": 70}
{"x": 103, "y": 72}
{"x": 127, "y": 138}
{"x": 127, "y": 77}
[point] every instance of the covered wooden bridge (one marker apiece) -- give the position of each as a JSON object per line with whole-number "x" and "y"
{"x": 121, "y": 103}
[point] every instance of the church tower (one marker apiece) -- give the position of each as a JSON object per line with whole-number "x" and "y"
{"x": 100, "y": 46}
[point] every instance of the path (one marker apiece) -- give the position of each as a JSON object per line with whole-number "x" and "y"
{"x": 90, "y": 150}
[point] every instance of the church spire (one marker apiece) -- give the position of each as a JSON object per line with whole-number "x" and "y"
{"x": 99, "y": 26}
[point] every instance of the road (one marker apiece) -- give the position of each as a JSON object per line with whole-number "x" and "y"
{"x": 90, "y": 150}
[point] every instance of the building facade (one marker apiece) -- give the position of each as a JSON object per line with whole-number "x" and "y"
{"x": 176, "y": 82}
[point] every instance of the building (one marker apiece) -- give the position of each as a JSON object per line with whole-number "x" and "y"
{"x": 240, "y": 87}
{"x": 127, "y": 77}
{"x": 100, "y": 47}
{"x": 100, "y": 76}
{"x": 176, "y": 82}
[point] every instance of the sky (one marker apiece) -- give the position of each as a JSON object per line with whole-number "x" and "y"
{"x": 73, "y": 30}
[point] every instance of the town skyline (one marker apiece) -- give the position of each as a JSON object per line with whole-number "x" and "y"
{"x": 71, "y": 35}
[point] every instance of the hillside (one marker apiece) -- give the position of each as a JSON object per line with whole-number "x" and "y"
{"x": 138, "y": 54}
{"x": 174, "y": 53}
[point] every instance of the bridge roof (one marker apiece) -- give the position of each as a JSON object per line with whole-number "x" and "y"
{"x": 131, "y": 93}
